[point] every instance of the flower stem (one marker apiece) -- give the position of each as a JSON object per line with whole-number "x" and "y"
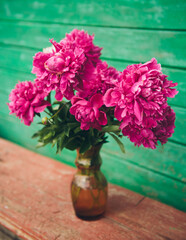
{"x": 47, "y": 113}
{"x": 57, "y": 112}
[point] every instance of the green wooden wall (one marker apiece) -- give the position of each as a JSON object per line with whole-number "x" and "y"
{"x": 129, "y": 32}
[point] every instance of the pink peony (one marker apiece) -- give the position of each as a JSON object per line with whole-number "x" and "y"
{"x": 26, "y": 100}
{"x": 98, "y": 79}
{"x": 150, "y": 136}
{"x": 59, "y": 71}
{"x": 88, "y": 113}
{"x": 81, "y": 39}
{"x": 140, "y": 99}
{"x": 62, "y": 68}
{"x": 165, "y": 128}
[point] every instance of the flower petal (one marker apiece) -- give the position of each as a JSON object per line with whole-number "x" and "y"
{"x": 96, "y": 100}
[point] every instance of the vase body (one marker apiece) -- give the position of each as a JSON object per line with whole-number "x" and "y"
{"x": 89, "y": 185}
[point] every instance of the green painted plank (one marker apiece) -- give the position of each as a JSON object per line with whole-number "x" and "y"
{"x": 122, "y": 13}
{"x": 121, "y": 44}
{"x": 123, "y": 173}
{"x": 143, "y": 181}
{"x": 19, "y": 60}
{"x": 168, "y": 160}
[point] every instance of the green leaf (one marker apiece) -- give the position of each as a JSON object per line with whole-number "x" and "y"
{"x": 86, "y": 144}
{"x": 54, "y": 141}
{"x": 76, "y": 130}
{"x": 38, "y": 114}
{"x": 62, "y": 140}
{"x": 118, "y": 142}
{"x": 67, "y": 131}
{"x": 48, "y": 136}
{"x": 73, "y": 125}
{"x": 35, "y": 135}
{"x": 41, "y": 144}
{"x": 74, "y": 143}
{"x": 111, "y": 128}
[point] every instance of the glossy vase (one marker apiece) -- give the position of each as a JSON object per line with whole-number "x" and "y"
{"x": 89, "y": 185}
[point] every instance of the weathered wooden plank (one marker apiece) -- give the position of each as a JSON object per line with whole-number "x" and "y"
{"x": 122, "y": 44}
{"x": 121, "y": 13}
{"x": 144, "y": 212}
{"x": 45, "y": 207}
{"x": 21, "y": 60}
{"x": 168, "y": 160}
{"x": 151, "y": 175}
{"x": 17, "y": 59}
{"x": 45, "y": 211}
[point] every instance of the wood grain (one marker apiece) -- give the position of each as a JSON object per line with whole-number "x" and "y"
{"x": 35, "y": 204}
{"x": 118, "y": 43}
{"x": 118, "y": 13}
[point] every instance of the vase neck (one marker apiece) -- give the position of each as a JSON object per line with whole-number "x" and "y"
{"x": 90, "y": 159}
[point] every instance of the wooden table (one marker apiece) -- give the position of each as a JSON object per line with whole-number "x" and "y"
{"x": 35, "y": 204}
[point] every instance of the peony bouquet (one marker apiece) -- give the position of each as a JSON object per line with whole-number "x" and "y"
{"x": 91, "y": 99}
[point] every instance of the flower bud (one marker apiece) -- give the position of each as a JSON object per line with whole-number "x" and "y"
{"x": 44, "y": 120}
{"x": 55, "y": 64}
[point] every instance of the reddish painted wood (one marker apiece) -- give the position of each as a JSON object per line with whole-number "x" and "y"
{"x": 35, "y": 204}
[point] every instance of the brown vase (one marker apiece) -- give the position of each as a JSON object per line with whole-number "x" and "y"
{"x": 89, "y": 185}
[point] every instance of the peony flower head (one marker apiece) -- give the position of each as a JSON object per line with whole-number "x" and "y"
{"x": 88, "y": 113}
{"x": 26, "y": 100}
{"x": 61, "y": 68}
{"x": 98, "y": 79}
{"x": 149, "y": 137}
{"x": 60, "y": 71}
{"x": 140, "y": 100}
{"x": 81, "y": 39}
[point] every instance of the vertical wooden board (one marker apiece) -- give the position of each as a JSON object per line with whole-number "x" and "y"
{"x": 118, "y": 43}
{"x": 120, "y": 13}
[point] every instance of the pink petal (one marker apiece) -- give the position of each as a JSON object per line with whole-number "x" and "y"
{"x": 125, "y": 122}
{"x": 58, "y": 96}
{"x": 97, "y": 113}
{"x": 75, "y": 99}
{"x": 42, "y": 106}
{"x": 96, "y": 100}
{"x": 118, "y": 112}
{"x": 85, "y": 126}
{"x": 28, "y": 116}
{"x": 108, "y": 98}
{"x": 138, "y": 112}
{"x": 102, "y": 118}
